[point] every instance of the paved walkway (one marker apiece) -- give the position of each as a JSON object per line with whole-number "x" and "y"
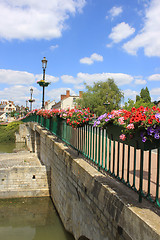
{"x": 24, "y": 158}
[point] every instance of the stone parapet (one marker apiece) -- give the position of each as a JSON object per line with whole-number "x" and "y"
{"x": 91, "y": 204}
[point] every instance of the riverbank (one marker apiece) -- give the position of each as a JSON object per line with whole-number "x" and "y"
{"x": 7, "y": 132}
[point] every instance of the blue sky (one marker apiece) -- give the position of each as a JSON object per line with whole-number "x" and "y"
{"x": 83, "y": 41}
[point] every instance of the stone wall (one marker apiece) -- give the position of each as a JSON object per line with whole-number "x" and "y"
{"x": 23, "y": 175}
{"x": 90, "y": 204}
{"x": 23, "y": 182}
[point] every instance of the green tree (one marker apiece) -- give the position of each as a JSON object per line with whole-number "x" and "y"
{"x": 101, "y": 97}
{"x": 128, "y": 105}
{"x": 144, "y": 95}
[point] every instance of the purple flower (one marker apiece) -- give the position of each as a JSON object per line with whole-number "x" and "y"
{"x": 106, "y": 120}
{"x": 156, "y": 136}
{"x": 110, "y": 116}
{"x": 144, "y": 139}
{"x": 102, "y": 116}
{"x": 157, "y": 115}
{"x": 150, "y": 130}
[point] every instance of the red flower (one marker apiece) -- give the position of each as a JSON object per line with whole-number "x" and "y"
{"x": 154, "y": 108}
{"x": 133, "y": 109}
{"x": 153, "y": 117}
{"x": 150, "y": 121}
{"x": 136, "y": 119}
{"x": 143, "y": 118}
{"x": 132, "y": 120}
{"x": 141, "y": 108}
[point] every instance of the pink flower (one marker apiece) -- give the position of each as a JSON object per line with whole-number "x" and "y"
{"x": 130, "y": 126}
{"x": 121, "y": 120}
{"x": 122, "y": 137}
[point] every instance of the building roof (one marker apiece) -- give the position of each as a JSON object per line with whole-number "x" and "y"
{"x": 2, "y": 106}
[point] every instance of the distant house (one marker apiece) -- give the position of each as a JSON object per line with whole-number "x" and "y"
{"x": 67, "y": 101}
{"x": 5, "y": 108}
{"x": 49, "y": 104}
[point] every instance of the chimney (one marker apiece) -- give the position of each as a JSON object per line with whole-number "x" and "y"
{"x": 67, "y": 93}
{"x": 80, "y": 94}
{"x": 63, "y": 96}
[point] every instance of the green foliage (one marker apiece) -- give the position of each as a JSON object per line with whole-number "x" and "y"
{"x": 128, "y": 105}
{"x": 99, "y": 94}
{"x": 7, "y": 133}
{"x": 143, "y": 100}
{"x": 144, "y": 95}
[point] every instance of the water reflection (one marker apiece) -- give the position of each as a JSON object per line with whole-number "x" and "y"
{"x": 30, "y": 219}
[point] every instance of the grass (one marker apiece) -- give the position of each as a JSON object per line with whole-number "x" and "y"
{"x": 7, "y": 133}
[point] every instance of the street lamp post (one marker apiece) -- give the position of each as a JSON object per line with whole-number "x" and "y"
{"x": 44, "y": 65}
{"x": 31, "y": 100}
{"x": 107, "y": 103}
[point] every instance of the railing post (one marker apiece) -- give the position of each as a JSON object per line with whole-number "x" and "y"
{"x": 141, "y": 177}
{"x": 158, "y": 172}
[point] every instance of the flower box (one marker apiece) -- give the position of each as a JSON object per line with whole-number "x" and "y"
{"x": 43, "y": 84}
{"x": 114, "y": 131}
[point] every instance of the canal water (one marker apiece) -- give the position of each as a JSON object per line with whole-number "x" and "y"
{"x": 30, "y": 219}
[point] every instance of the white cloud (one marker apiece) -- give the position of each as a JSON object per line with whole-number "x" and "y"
{"x": 86, "y": 60}
{"x": 115, "y": 11}
{"x": 16, "y": 77}
{"x": 129, "y": 93}
{"x": 79, "y": 87}
{"x": 120, "y": 32}
{"x": 68, "y": 79}
{"x": 90, "y": 60}
{"x": 48, "y": 78}
{"x": 140, "y": 81}
{"x": 12, "y": 77}
{"x": 154, "y": 77}
{"x": 155, "y": 91}
{"x": 32, "y": 19}
{"x": 120, "y": 78}
{"x": 148, "y": 37}
{"x": 18, "y": 93}
{"x": 53, "y": 47}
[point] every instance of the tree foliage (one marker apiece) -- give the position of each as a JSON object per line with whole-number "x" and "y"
{"x": 144, "y": 95}
{"x": 143, "y": 99}
{"x": 101, "y": 97}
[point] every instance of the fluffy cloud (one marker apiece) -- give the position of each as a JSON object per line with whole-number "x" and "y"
{"x": 140, "y": 81}
{"x": 11, "y": 77}
{"x": 16, "y": 77}
{"x": 23, "y": 93}
{"x": 115, "y": 11}
{"x": 129, "y": 93}
{"x": 148, "y": 38}
{"x": 32, "y": 19}
{"x": 155, "y": 91}
{"x": 120, "y": 78}
{"x": 90, "y": 60}
{"x": 154, "y": 77}
{"x": 48, "y": 78}
{"x": 120, "y": 32}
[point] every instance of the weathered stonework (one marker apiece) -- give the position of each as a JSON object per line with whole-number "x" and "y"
{"x": 22, "y": 175}
{"x": 89, "y": 203}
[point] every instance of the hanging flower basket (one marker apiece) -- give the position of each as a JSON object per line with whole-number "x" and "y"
{"x": 139, "y": 127}
{"x": 114, "y": 131}
{"x": 42, "y": 83}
